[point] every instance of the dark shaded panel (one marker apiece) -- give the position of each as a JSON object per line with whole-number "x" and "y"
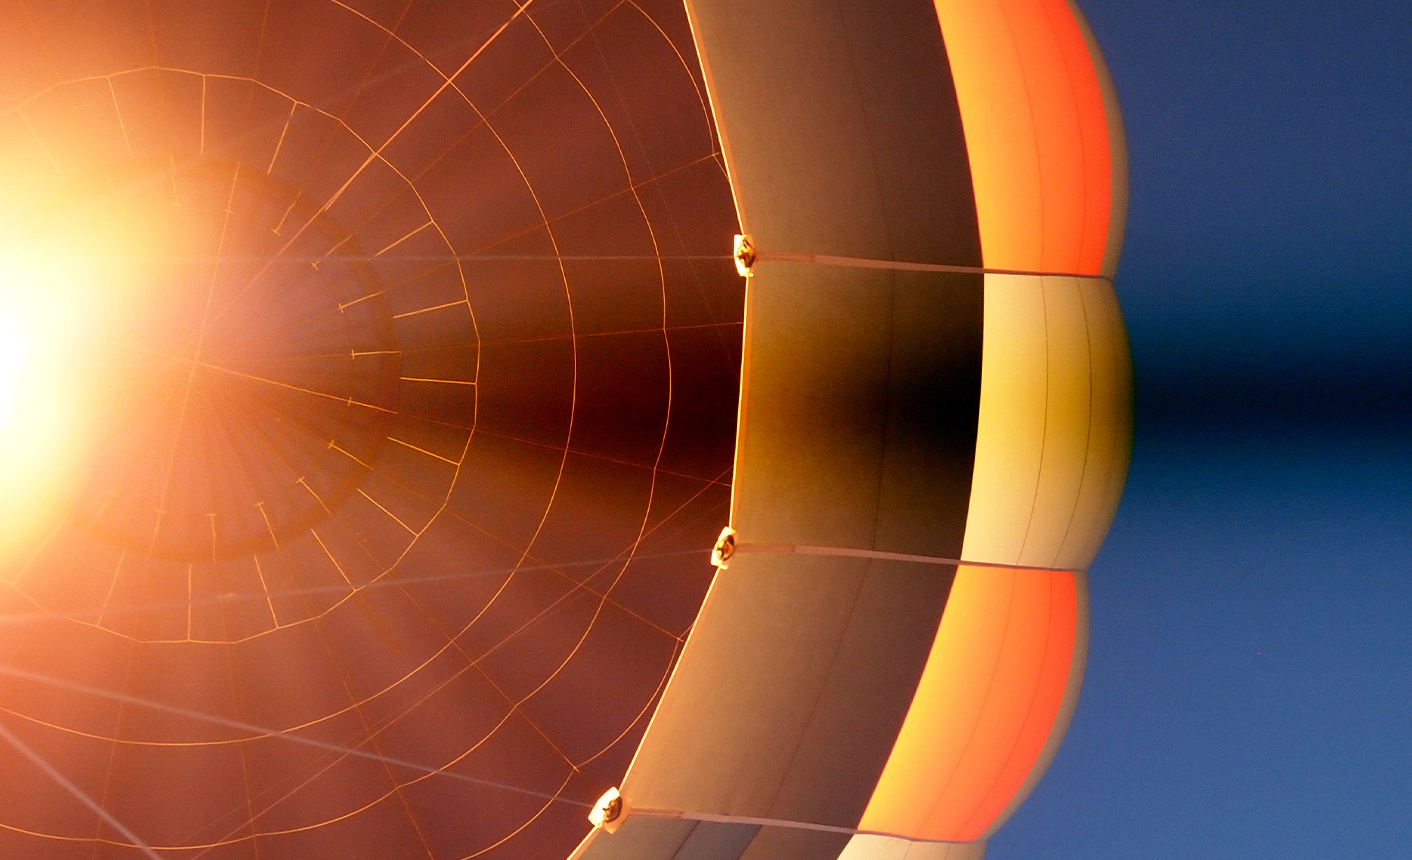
{"x": 639, "y": 838}
{"x": 814, "y": 406}
{"x": 840, "y": 128}
{"x": 712, "y": 840}
{"x": 671, "y": 568}
{"x": 914, "y": 124}
{"x": 779, "y": 843}
{"x": 791, "y": 689}
{"x": 589, "y": 708}
{"x": 597, "y": 514}
{"x": 934, "y": 390}
{"x": 526, "y": 390}
{"x": 860, "y": 408}
{"x": 700, "y": 435}
{"x": 621, "y": 396}
{"x": 866, "y": 694}
{"x": 504, "y": 488}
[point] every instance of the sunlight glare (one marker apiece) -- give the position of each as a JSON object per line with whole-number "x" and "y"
{"x": 14, "y": 349}
{"x": 51, "y": 296}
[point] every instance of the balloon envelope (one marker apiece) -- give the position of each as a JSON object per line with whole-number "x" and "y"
{"x": 374, "y": 406}
{"x": 934, "y": 432}
{"x": 377, "y": 420}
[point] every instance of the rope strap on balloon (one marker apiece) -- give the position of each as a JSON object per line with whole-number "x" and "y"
{"x": 612, "y": 809}
{"x": 727, "y": 547}
{"x": 747, "y": 255}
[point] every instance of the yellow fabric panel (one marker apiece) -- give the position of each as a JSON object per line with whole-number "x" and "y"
{"x": 992, "y": 689}
{"x": 870, "y": 847}
{"x": 1054, "y": 431}
{"x": 1010, "y": 428}
{"x": 1110, "y": 425}
{"x": 1066, "y": 421}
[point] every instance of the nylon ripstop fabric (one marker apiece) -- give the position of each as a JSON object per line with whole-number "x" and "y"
{"x": 403, "y": 342}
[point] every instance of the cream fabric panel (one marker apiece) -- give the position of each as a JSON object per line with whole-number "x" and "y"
{"x": 841, "y": 137}
{"x": 1110, "y": 439}
{"x": 1066, "y": 424}
{"x": 830, "y": 205}
{"x": 839, "y": 127}
{"x": 869, "y": 847}
{"x": 1055, "y": 427}
{"x": 1010, "y": 427}
{"x": 791, "y": 689}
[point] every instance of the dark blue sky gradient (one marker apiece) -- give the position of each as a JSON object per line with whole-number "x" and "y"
{"x": 1249, "y": 692}
{"x": 1269, "y": 246}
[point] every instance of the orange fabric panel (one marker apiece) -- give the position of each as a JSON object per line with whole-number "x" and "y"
{"x": 1036, "y": 131}
{"x": 984, "y": 708}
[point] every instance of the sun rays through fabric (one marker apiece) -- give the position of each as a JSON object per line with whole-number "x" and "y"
{"x": 396, "y": 384}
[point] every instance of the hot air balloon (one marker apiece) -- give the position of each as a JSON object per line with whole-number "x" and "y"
{"x": 934, "y": 430}
{"x": 386, "y": 373}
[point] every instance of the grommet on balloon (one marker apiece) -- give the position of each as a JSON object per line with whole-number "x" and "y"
{"x": 610, "y": 810}
{"x": 745, "y": 255}
{"x": 725, "y": 548}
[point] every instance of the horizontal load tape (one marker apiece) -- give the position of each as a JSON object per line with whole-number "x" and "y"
{"x": 713, "y": 818}
{"x": 849, "y": 552}
{"x": 904, "y": 266}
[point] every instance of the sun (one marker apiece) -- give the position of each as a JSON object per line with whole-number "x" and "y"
{"x": 15, "y": 347}
{"x": 51, "y": 293}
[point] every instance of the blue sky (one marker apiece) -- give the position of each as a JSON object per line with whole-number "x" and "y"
{"x": 1250, "y": 679}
